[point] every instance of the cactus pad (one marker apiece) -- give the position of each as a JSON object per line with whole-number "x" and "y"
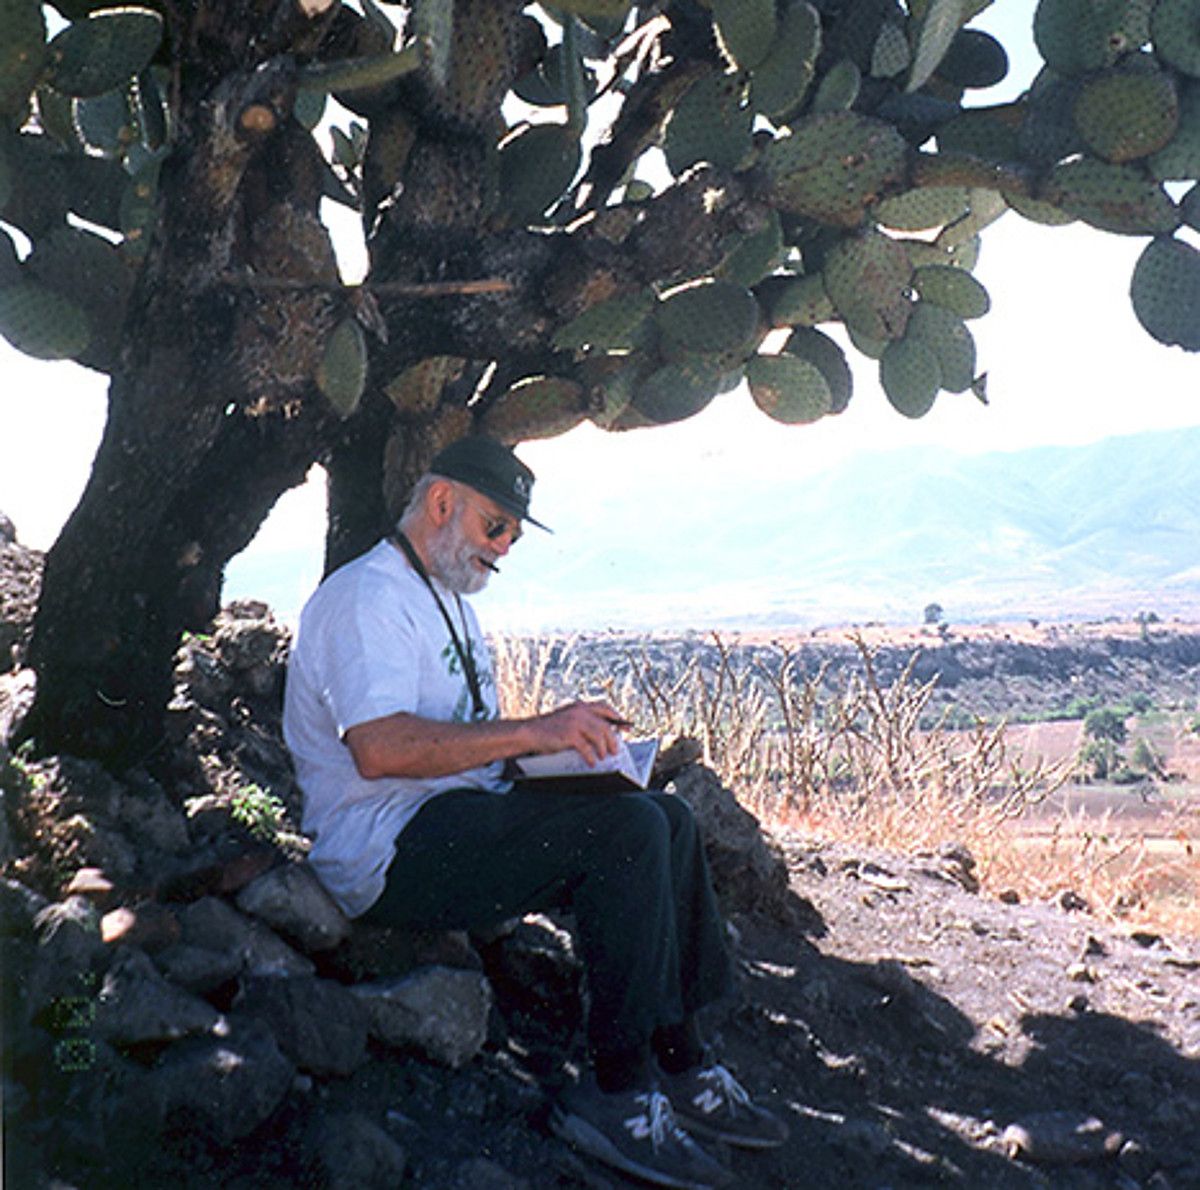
{"x": 1077, "y": 36}
{"x": 1175, "y": 31}
{"x": 710, "y": 123}
{"x": 1049, "y": 133}
{"x": 613, "y": 325}
{"x": 433, "y": 25}
{"x": 838, "y": 89}
{"x": 891, "y": 55}
{"x": 834, "y": 166}
{"x": 1190, "y": 208}
{"x": 754, "y": 255}
{"x": 418, "y": 389}
{"x": 1165, "y": 291}
{"x": 1123, "y": 114}
{"x": 1179, "y": 160}
{"x": 536, "y": 407}
{"x": 954, "y": 289}
{"x": 990, "y": 133}
{"x": 711, "y": 317}
{"x": 867, "y": 278}
{"x": 342, "y": 372}
{"x": 1115, "y": 198}
{"x": 821, "y": 351}
{"x": 974, "y": 60}
{"x": 788, "y": 389}
{"x": 910, "y": 377}
{"x": 92, "y": 56}
{"x": 933, "y": 31}
{"x": 42, "y": 322}
{"x": 779, "y": 83}
{"x": 746, "y": 29}
{"x": 96, "y": 276}
{"x": 108, "y": 123}
{"x": 678, "y": 390}
{"x": 865, "y": 345}
{"x": 947, "y": 337}
{"x": 536, "y": 167}
{"x": 1037, "y": 211}
{"x": 22, "y": 52}
{"x": 924, "y": 208}
{"x": 802, "y": 302}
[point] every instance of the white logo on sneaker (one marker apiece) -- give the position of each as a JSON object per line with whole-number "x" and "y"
{"x": 709, "y": 1101}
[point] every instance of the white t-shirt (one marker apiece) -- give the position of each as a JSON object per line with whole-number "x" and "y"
{"x": 372, "y": 642}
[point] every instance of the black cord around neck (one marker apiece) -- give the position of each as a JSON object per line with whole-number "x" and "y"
{"x": 465, "y": 656}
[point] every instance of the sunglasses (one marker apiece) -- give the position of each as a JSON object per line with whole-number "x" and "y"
{"x": 495, "y": 527}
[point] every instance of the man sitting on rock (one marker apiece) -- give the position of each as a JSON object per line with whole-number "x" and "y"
{"x": 392, "y": 720}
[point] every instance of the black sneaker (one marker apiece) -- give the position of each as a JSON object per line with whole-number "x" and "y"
{"x": 635, "y": 1132}
{"x": 711, "y": 1103}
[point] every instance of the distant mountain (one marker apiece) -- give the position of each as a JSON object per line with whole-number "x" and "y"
{"x": 1054, "y": 532}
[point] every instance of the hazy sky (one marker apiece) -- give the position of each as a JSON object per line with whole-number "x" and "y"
{"x": 1067, "y": 363}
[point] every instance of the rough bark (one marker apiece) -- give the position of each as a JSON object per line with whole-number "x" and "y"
{"x": 207, "y": 422}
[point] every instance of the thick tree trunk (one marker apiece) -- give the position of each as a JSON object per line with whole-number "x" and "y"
{"x": 212, "y": 414}
{"x": 139, "y": 563}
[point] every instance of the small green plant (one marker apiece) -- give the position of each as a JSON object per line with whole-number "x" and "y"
{"x": 1106, "y": 723}
{"x": 1146, "y": 759}
{"x": 259, "y": 811}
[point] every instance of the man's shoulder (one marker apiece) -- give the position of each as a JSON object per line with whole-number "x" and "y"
{"x": 360, "y": 580}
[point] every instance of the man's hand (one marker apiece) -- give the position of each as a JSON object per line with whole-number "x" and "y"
{"x": 591, "y": 728}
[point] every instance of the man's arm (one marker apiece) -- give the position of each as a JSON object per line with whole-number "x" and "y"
{"x": 404, "y": 745}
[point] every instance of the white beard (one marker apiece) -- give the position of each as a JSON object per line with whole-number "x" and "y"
{"x": 452, "y": 559}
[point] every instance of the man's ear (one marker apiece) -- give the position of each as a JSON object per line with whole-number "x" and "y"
{"x": 440, "y": 501}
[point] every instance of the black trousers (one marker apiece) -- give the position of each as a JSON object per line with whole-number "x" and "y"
{"x": 630, "y": 867}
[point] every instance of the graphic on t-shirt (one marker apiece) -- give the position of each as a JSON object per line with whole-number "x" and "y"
{"x": 463, "y": 708}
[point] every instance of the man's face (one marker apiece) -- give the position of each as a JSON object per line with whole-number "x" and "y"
{"x": 465, "y": 549}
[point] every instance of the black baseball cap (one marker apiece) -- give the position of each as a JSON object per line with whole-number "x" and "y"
{"x": 492, "y": 470}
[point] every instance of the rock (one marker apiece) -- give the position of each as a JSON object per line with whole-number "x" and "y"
{"x": 291, "y": 900}
{"x": 534, "y": 969}
{"x": 215, "y": 925}
{"x": 320, "y": 1026}
{"x": 16, "y": 689}
{"x": 952, "y": 862}
{"x": 221, "y": 1087}
{"x": 481, "y": 1174}
{"x": 198, "y": 969}
{"x": 1060, "y": 1138}
{"x": 137, "y": 1006}
{"x": 150, "y": 927}
{"x": 147, "y": 815}
{"x": 438, "y": 1010}
{"x": 372, "y": 952}
{"x": 8, "y": 531}
{"x": 69, "y": 953}
{"x": 223, "y": 867}
{"x": 747, "y": 873}
{"x": 93, "y": 884}
{"x": 349, "y": 1152}
{"x": 1071, "y": 902}
{"x": 19, "y": 907}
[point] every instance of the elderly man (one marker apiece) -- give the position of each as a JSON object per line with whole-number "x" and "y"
{"x": 392, "y": 720}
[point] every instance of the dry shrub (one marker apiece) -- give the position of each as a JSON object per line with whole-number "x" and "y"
{"x": 858, "y": 760}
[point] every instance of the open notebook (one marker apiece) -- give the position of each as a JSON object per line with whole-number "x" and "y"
{"x": 629, "y": 768}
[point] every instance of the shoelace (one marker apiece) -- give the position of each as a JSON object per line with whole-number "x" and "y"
{"x": 659, "y": 1121}
{"x": 726, "y": 1086}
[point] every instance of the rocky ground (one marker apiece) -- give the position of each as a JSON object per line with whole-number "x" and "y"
{"x": 182, "y": 1007}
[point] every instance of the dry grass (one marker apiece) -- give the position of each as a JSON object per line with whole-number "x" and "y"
{"x": 851, "y": 762}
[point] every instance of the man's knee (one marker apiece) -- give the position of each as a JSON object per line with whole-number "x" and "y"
{"x": 678, "y": 813}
